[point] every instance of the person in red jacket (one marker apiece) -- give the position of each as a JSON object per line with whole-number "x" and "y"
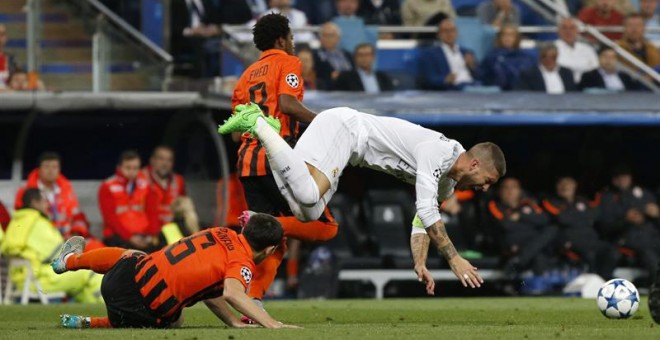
{"x": 122, "y": 200}
{"x": 165, "y": 186}
{"x": 63, "y": 206}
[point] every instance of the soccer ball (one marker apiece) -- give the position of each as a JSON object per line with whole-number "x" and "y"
{"x": 618, "y": 299}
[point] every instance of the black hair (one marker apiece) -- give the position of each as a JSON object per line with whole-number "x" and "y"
{"x": 604, "y": 48}
{"x": 268, "y": 29}
{"x": 48, "y": 156}
{"x": 621, "y": 169}
{"x": 127, "y": 155}
{"x": 363, "y": 45}
{"x": 29, "y": 196}
{"x": 262, "y": 231}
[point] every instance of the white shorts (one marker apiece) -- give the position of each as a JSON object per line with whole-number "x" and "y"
{"x": 330, "y": 141}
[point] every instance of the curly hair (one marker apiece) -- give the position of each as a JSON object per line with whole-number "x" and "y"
{"x": 268, "y": 29}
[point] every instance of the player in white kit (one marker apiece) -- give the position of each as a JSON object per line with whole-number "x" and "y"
{"x": 308, "y": 174}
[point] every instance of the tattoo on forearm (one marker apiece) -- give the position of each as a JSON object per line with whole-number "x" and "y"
{"x": 419, "y": 246}
{"x": 448, "y": 251}
{"x": 439, "y": 235}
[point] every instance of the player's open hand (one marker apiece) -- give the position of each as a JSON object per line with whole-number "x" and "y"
{"x": 465, "y": 272}
{"x": 424, "y": 276}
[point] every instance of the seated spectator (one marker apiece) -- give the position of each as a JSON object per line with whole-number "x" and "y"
{"x": 526, "y": 237}
{"x": 7, "y": 61}
{"x": 32, "y": 236}
{"x": 347, "y": 20}
{"x": 165, "y": 186}
{"x": 297, "y": 18}
{"x": 4, "y": 217}
{"x": 306, "y": 56}
{"x": 317, "y": 11}
{"x": 418, "y": 12}
{"x": 19, "y": 81}
{"x": 122, "y": 200}
{"x": 574, "y": 55}
{"x": 575, "y": 217}
{"x": 330, "y": 59}
{"x": 446, "y": 65}
{"x": 621, "y": 202}
{"x": 502, "y": 65}
{"x": 634, "y": 42}
{"x": 381, "y": 12}
{"x": 364, "y": 78}
{"x": 192, "y": 23}
{"x": 547, "y": 77}
{"x": 648, "y": 9}
{"x": 63, "y": 208}
{"x": 602, "y": 13}
{"x": 624, "y": 7}
{"x": 185, "y": 222}
{"x": 498, "y": 13}
{"x": 608, "y": 76}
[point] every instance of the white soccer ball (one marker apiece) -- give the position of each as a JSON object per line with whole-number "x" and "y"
{"x": 618, "y": 299}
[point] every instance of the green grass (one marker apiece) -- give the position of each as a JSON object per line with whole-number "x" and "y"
{"x": 431, "y": 318}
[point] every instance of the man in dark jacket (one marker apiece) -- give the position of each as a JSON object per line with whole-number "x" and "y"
{"x": 548, "y": 76}
{"x": 607, "y": 76}
{"x": 575, "y": 217}
{"x": 330, "y": 60}
{"x": 363, "y": 78}
{"x": 527, "y": 237}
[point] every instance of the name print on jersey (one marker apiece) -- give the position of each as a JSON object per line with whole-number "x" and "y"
{"x": 224, "y": 238}
{"x": 259, "y": 72}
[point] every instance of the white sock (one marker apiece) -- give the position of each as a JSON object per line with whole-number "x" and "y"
{"x": 288, "y": 164}
{"x": 313, "y": 213}
{"x": 285, "y": 190}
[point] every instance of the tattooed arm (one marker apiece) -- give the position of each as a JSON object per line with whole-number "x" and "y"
{"x": 463, "y": 270}
{"x": 419, "y": 246}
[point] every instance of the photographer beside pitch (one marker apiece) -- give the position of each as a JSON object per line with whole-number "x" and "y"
{"x": 308, "y": 175}
{"x": 150, "y": 291}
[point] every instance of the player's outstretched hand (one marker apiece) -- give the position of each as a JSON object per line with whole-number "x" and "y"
{"x": 465, "y": 272}
{"x": 424, "y": 276}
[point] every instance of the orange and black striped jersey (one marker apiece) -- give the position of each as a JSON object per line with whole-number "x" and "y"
{"x": 274, "y": 74}
{"x": 193, "y": 269}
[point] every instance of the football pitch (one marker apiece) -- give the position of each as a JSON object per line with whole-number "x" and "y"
{"x": 430, "y": 318}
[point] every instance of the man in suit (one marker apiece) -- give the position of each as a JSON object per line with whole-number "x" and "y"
{"x": 363, "y": 78}
{"x": 330, "y": 59}
{"x": 446, "y": 65}
{"x": 548, "y": 76}
{"x": 607, "y": 75}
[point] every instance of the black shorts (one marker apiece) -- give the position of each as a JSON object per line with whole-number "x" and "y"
{"x": 124, "y": 301}
{"x": 263, "y": 196}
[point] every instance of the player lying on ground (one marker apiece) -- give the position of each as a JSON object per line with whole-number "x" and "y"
{"x": 309, "y": 174}
{"x": 150, "y": 291}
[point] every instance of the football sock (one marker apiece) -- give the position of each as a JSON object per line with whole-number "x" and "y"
{"x": 99, "y": 322}
{"x": 315, "y": 231}
{"x": 98, "y": 260}
{"x": 265, "y": 275}
{"x": 284, "y": 160}
{"x": 312, "y": 213}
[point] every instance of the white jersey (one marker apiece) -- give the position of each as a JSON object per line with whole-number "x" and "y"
{"x": 413, "y": 154}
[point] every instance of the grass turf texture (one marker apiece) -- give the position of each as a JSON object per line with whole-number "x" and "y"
{"x": 432, "y": 318}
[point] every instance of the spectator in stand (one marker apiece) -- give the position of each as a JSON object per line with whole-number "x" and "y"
{"x": 4, "y": 217}
{"x": 502, "y": 65}
{"x": 122, "y": 200}
{"x": 547, "y": 76}
{"x": 235, "y": 12}
{"x": 306, "y": 56}
{"x": 634, "y": 42}
{"x": 317, "y": 11}
{"x": 348, "y": 20}
{"x": 192, "y": 25}
{"x": 32, "y": 236}
{"x": 257, "y": 7}
{"x": 624, "y": 7}
{"x": 364, "y": 78}
{"x": 63, "y": 208}
{"x": 574, "y": 55}
{"x": 575, "y": 217}
{"x": 165, "y": 187}
{"x": 498, "y": 13}
{"x": 381, "y": 12}
{"x": 622, "y": 202}
{"x": 19, "y": 81}
{"x": 446, "y": 65}
{"x": 330, "y": 59}
{"x": 418, "y": 12}
{"x": 602, "y": 13}
{"x": 527, "y": 238}
{"x": 649, "y": 11}
{"x": 608, "y": 76}
{"x": 7, "y": 61}
{"x": 297, "y": 18}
